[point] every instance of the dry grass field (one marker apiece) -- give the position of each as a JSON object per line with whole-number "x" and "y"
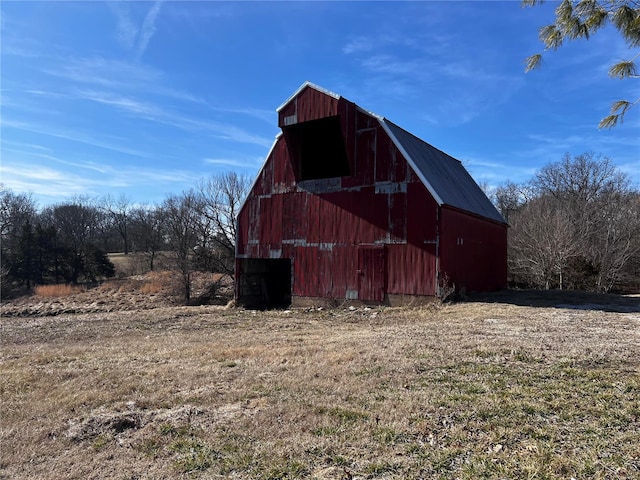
{"x": 508, "y": 386}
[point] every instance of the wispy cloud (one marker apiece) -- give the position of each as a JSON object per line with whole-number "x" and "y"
{"x": 459, "y": 87}
{"x": 541, "y": 148}
{"x": 126, "y": 29}
{"x": 268, "y": 116}
{"x": 128, "y": 34}
{"x": 121, "y": 102}
{"x": 19, "y": 51}
{"x": 367, "y": 43}
{"x": 494, "y": 173}
{"x": 43, "y": 181}
{"x": 157, "y": 114}
{"x": 386, "y": 63}
{"x": 135, "y": 107}
{"x": 28, "y": 146}
{"x": 71, "y": 135}
{"x": 22, "y": 174}
{"x": 229, "y": 162}
{"x": 148, "y": 29}
{"x": 102, "y": 71}
{"x": 359, "y": 45}
{"x": 632, "y": 169}
{"x": 117, "y": 75}
{"x": 594, "y": 140}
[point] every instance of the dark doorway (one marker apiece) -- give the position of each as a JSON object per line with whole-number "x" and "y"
{"x": 264, "y": 283}
{"x": 371, "y": 269}
{"x": 318, "y": 149}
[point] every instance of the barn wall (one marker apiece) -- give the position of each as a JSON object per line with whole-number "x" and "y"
{"x": 375, "y": 233}
{"x": 322, "y": 224}
{"x": 473, "y": 251}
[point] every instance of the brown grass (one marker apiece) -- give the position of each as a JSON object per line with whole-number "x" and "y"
{"x": 151, "y": 288}
{"x": 473, "y": 390}
{"x": 58, "y": 290}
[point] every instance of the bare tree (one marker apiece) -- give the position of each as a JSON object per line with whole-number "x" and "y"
{"x": 147, "y": 232}
{"x": 596, "y": 197}
{"x": 181, "y": 217}
{"x": 580, "y": 180}
{"x": 15, "y": 211}
{"x": 76, "y": 224}
{"x": 221, "y": 198}
{"x": 119, "y": 211}
{"x": 580, "y": 228}
{"x": 616, "y": 236}
{"x": 510, "y": 197}
{"x": 541, "y": 243}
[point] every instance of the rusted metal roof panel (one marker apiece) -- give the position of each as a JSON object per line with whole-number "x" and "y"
{"x": 444, "y": 176}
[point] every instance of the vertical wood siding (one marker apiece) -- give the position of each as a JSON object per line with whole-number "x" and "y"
{"x": 472, "y": 251}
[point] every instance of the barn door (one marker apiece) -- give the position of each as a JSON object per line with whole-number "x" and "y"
{"x": 371, "y": 272}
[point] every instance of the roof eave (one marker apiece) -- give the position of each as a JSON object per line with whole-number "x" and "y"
{"x": 255, "y": 180}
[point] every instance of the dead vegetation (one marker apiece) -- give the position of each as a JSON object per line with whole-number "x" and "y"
{"x": 139, "y": 292}
{"x": 500, "y": 387}
{"x": 57, "y": 290}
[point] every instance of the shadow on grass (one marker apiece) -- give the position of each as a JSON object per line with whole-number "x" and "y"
{"x": 606, "y": 302}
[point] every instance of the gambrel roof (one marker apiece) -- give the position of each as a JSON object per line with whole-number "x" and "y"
{"x": 445, "y": 177}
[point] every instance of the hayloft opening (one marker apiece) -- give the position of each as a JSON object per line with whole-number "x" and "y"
{"x": 264, "y": 283}
{"x": 318, "y": 149}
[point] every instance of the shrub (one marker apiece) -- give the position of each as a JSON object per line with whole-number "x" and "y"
{"x": 61, "y": 290}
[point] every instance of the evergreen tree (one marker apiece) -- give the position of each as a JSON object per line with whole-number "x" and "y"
{"x": 576, "y": 19}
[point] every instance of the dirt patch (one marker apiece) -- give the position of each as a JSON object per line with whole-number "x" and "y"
{"x": 132, "y": 421}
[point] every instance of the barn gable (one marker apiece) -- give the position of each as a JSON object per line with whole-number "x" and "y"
{"x": 317, "y": 126}
{"x": 349, "y": 206}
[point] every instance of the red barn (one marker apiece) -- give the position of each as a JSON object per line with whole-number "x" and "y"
{"x": 349, "y": 206}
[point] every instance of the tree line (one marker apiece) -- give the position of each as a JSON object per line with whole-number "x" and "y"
{"x": 68, "y": 242}
{"x": 574, "y": 225}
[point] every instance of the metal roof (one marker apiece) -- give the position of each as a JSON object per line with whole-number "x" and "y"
{"x": 444, "y": 176}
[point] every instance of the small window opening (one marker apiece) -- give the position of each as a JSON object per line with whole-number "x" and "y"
{"x": 318, "y": 149}
{"x": 265, "y": 283}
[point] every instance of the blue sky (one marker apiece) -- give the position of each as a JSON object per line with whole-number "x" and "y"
{"x": 147, "y": 98}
